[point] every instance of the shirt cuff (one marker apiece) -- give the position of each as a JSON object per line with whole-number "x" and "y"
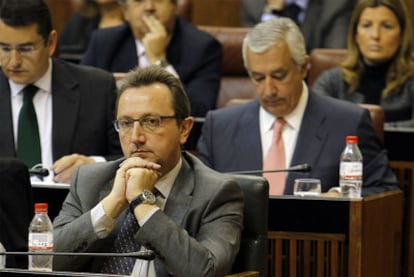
{"x": 268, "y": 16}
{"x": 142, "y": 222}
{"x": 102, "y": 223}
{"x": 98, "y": 158}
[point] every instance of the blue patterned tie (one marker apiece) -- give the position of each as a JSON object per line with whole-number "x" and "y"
{"x": 124, "y": 243}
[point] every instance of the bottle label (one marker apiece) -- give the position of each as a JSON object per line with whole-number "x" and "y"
{"x": 352, "y": 170}
{"x": 40, "y": 241}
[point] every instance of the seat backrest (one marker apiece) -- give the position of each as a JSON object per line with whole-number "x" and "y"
{"x": 322, "y": 59}
{"x": 235, "y": 82}
{"x": 253, "y": 251}
{"x": 16, "y": 209}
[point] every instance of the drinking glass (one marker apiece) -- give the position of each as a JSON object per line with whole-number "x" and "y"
{"x": 307, "y": 187}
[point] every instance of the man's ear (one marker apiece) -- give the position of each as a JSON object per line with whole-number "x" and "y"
{"x": 186, "y": 126}
{"x": 52, "y": 43}
{"x": 305, "y": 67}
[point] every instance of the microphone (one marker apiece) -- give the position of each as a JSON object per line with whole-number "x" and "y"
{"x": 142, "y": 255}
{"x": 304, "y": 168}
{"x": 39, "y": 171}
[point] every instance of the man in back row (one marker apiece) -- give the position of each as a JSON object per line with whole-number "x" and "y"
{"x": 155, "y": 35}
{"x": 70, "y": 111}
{"x": 313, "y": 128}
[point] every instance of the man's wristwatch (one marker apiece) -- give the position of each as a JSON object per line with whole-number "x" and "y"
{"x": 161, "y": 63}
{"x": 146, "y": 197}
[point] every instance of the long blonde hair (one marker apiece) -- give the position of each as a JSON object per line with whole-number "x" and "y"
{"x": 402, "y": 64}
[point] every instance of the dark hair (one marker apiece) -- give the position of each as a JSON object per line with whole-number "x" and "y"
{"x": 22, "y": 13}
{"x": 154, "y": 74}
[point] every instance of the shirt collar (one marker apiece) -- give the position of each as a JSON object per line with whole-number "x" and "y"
{"x": 44, "y": 83}
{"x": 293, "y": 119}
{"x": 165, "y": 184}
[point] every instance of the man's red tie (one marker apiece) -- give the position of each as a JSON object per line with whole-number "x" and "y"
{"x": 275, "y": 159}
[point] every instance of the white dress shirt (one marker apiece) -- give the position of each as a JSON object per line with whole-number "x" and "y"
{"x": 290, "y": 131}
{"x": 42, "y": 102}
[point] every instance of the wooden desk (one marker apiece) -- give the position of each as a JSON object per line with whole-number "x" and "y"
{"x": 404, "y": 170}
{"x": 336, "y": 237}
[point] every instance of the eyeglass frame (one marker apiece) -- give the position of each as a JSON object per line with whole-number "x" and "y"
{"x": 24, "y": 49}
{"x": 140, "y": 120}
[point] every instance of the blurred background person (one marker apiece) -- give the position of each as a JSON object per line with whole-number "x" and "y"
{"x": 324, "y": 23}
{"x": 379, "y": 68}
{"x": 89, "y": 15}
{"x": 155, "y": 35}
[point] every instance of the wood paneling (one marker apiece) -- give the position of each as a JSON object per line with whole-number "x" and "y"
{"x": 216, "y": 12}
{"x": 60, "y": 11}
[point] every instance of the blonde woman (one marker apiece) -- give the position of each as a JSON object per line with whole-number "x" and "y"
{"x": 379, "y": 68}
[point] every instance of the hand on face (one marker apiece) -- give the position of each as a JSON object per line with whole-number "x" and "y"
{"x": 155, "y": 40}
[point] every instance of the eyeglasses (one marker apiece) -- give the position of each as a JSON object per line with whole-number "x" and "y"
{"x": 150, "y": 123}
{"x": 23, "y": 49}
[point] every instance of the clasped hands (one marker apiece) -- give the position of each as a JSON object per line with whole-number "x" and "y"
{"x": 133, "y": 176}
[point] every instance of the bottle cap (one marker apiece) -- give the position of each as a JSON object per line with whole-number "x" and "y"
{"x": 40, "y": 207}
{"x": 351, "y": 140}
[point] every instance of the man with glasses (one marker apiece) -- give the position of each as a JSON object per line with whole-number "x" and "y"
{"x": 66, "y": 121}
{"x": 155, "y": 35}
{"x": 188, "y": 214}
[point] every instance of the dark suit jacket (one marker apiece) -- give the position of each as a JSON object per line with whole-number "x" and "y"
{"x": 197, "y": 234}
{"x": 74, "y": 37}
{"x": 195, "y": 55}
{"x": 83, "y": 110}
{"x": 231, "y": 141}
{"x": 325, "y": 24}
{"x": 16, "y": 209}
{"x": 398, "y": 107}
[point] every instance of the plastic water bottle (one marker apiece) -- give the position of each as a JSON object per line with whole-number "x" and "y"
{"x": 41, "y": 239}
{"x": 350, "y": 169}
{"x": 2, "y": 257}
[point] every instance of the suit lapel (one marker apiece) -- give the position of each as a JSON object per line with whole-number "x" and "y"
{"x": 247, "y": 139}
{"x": 66, "y": 101}
{"x": 178, "y": 203}
{"x": 125, "y": 56}
{"x": 7, "y": 147}
{"x": 181, "y": 194}
{"x": 311, "y": 139}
